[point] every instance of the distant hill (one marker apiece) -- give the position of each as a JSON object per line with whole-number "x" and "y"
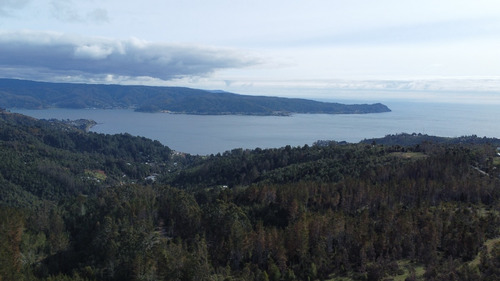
{"x": 406, "y": 139}
{"x": 38, "y": 95}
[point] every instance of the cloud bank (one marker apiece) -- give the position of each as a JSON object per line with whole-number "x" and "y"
{"x": 44, "y": 55}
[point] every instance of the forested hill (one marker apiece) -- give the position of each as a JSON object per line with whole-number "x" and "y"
{"x": 32, "y": 95}
{"x": 77, "y": 205}
{"x": 51, "y": 159}
{"x": 406, "y": 139}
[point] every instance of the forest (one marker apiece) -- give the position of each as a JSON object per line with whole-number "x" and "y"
{"x": 77, "y": 205}
{"x": 34, "y": 95}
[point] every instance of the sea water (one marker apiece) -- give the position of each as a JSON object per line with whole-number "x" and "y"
{"x": 202, "y": 134}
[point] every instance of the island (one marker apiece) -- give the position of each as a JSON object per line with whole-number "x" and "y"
{"x": 27, "y": 94}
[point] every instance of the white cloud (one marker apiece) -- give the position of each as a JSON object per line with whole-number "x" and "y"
{"x": 54, "y": 54}
{"x": 94, "y": 52}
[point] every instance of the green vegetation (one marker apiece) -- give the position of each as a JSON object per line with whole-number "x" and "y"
{"x": 409, "y": 155}
{"x": 488, "y": 246}
{"x": 29, "y": 94}
{"x": 76, "y": 205}
{"x": 404, "y": 270}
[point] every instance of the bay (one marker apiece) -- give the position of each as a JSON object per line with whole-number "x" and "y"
{"x": 203, "y": 135}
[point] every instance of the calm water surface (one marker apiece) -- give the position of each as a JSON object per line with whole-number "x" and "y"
{"x": 212, "y": 134}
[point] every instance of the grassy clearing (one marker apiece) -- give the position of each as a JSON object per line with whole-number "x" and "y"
{"x": 489, "y": 244}
{"x": 496, "y": 161}
{"x": 96, "y": 174}
{"x": 408, "y": 155}
{"x": 405, "y": 269}
{"x": 340, "y": 279}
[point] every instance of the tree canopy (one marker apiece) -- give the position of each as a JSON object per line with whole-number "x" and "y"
{"x": 76, "y": 205}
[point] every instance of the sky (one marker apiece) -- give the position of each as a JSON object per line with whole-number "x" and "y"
{"x": 358, "y": 49}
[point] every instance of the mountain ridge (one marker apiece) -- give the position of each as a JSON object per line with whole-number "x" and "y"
{"x": 38, "y": 95}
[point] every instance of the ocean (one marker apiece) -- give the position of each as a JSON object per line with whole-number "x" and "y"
{"x": 204, "y": 135}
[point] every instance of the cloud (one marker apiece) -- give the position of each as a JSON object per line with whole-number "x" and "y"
{"x": 68, "y": 11}
{"x": 98, "y": 16}
{"x": 37, "y": 55}
{"x": 6, "y": 6}
{"x": 95, "y": 52}
{"x": 65, "y": 11}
